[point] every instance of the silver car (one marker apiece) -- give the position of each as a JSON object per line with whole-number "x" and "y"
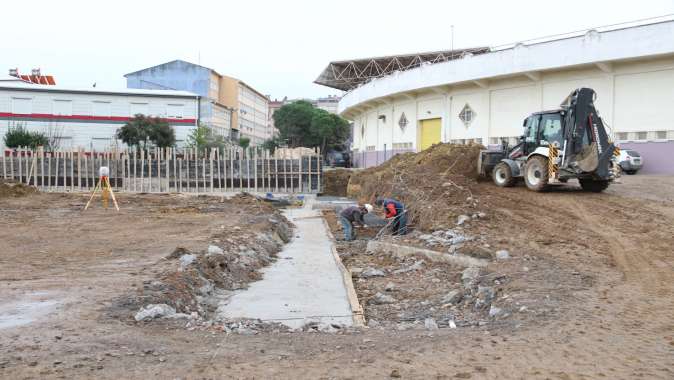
{"x": 630, "y": 161}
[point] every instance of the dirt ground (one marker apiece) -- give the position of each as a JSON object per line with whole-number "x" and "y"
{"x": 595, "y": 271}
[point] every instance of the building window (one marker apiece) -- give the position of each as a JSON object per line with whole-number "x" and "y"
{"x": 642, "y": 135}
{"x": 175, "y": 111}
{"x": 139, "y": 108}
{"x": 404, "y": 145}
{"x": 22, "y": 105}
{"x": 63, "y": 107}
{"x": 99, "y": 108}
{"x": 370, "y": 148}
{"x": 467, "y": 115}
{"x": 661, "y": 135}
{"x": 621, "y": 136}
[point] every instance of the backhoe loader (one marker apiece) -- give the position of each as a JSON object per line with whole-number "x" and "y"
{"x": 558, "y": 145}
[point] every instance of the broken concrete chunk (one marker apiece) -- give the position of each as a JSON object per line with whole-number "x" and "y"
{"x": 453, "y": 297}
{"x": 186, "y": 260}
{"x": 371, "y": 272}
{"x": 461, "y": 219}
{"x": 416, "y": 266}
{"x": 502, "y": 255}
{"x": 154, "y": 311}
{"x": 430, "y": 324}
{"x": 494, "y": 311}
{"x": 381, "y": 299}
{"x": 355, "y": 271}
{"x": 390, "y": 287}
{"x": 469, "y": 276}
{"x": 215, "y": 250}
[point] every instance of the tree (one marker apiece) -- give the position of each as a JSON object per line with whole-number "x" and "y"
{"x": 141, "y": 130}
{"x": 301, "y": 124}
{"x": 18, "y": 136}
{"x": 271, "y": 144}
{"x": 203, "y": 137}
{"x": 244, "y": 142}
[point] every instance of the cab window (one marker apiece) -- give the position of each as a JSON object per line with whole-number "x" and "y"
{"x": 551, "y": 128}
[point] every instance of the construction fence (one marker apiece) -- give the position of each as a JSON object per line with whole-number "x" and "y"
{"x": 168, "y": 170}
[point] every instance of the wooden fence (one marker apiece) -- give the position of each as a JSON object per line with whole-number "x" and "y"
{"x": 164, "y": 170}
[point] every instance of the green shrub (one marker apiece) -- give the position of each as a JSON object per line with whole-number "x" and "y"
{"x": 18, "y": 136}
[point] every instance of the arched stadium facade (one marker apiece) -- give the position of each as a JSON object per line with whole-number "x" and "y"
{"x": 483, "y": 96}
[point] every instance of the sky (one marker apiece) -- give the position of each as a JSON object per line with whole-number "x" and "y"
{"x": 278, "y": 47}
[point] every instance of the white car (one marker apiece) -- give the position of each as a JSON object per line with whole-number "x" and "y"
{"x": 630, "y": 161}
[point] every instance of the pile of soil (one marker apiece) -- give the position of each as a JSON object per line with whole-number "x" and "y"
{"x": 336, "y": 181}
{"x": 436, "y": 185}
{"x": 15, "y": 189}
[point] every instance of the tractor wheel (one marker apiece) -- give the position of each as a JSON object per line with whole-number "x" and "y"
{"x": 593, "y": 186}
{"x": 503, "y": 176}
{"x": 536, "y": 173}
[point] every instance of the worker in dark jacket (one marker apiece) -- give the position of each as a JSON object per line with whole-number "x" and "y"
{"x": 396, "y": 210}
{"x": 353, "y": 215}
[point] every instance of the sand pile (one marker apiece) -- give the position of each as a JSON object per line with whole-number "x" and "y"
{"x": 435, "y": 185}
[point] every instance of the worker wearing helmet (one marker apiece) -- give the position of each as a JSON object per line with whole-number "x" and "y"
{"x": 353, "y": 215}
{"x": 396, "y": 210}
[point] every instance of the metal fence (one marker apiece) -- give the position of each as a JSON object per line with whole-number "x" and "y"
{"x": 164, "y": 170}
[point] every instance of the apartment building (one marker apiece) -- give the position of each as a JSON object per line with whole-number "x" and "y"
{"x": 229, "y": 106}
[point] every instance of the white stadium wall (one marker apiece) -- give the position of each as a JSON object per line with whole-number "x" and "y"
{"x": 634, "y": 97}
{"x": 89, "y": 120}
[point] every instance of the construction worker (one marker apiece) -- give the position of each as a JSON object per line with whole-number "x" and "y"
{"x": 396, "y": 210}
{"x": 353, "y": 215}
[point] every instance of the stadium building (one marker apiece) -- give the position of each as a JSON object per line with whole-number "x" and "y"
{"x": 482, "y": 95}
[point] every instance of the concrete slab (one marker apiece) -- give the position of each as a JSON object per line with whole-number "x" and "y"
{"x": 304, "y": 285}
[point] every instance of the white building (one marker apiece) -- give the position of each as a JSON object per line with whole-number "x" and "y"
{"x": 89, "y": 118}
{"x": 482, "y": 95}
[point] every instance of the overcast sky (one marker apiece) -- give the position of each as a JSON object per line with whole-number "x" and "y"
{"x": 279, "y": 47}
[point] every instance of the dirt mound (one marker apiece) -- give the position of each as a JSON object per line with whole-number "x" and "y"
{"x": 336, "y": 181}
{"x": 14, "y": 189}
{"x": 435, "y": 185}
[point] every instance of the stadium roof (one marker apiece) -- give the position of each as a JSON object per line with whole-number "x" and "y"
{"x": 349, "y": 74}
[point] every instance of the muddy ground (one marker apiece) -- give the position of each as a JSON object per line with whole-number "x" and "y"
{"x": 594, "y": 270}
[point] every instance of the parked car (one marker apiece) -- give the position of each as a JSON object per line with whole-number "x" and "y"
{"x": 337, "y": 159}
{"x": 630, "y": 161}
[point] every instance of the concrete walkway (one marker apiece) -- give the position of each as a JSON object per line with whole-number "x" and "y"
{"x": 304, "y": 285}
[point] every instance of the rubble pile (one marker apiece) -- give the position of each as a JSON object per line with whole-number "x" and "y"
{"x": 412, "y": 292}
{"x": 192, "y": 283}
{"x": 436, "y": 185}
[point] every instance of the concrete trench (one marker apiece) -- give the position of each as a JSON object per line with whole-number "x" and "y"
{"x": 306, "y": 284}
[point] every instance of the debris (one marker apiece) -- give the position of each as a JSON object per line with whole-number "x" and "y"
{"x": 214, "y": 250}
{"x": 416, "y": 266}
{"x": 461, "y": 219}
{"x": 453, "y": 297}
{"x": 502, "y": 255}
{"x": 381, "y": 298}
{"x": 469, "y": 276}
{"x": 186, "y": 260}
{"x": 395, "y": 374}
{"x": 154, "y": 311}
{"x": 452, "y": 324}
{"x": 430, "y": 324}
{"x": 371, "y": 272}
{"x": 494, "y": 311}
{"x": 390, "y": 287}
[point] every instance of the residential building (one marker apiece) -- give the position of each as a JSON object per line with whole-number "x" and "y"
{"x": 482, "y": 95}
{"x": 89, "y": 118}
{"x": 230, "y": 107}
{"x": 274, "y": 106}
{"x": 328, "y": 103}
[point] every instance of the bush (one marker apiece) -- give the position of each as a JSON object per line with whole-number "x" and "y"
{"x": 18, "y": 136}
